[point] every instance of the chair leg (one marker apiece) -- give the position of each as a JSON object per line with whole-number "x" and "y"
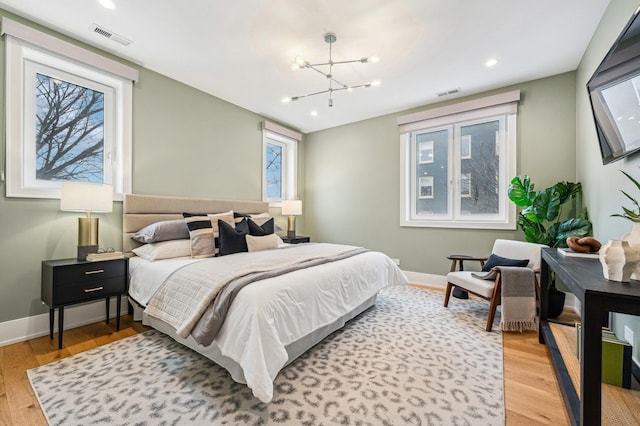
{"x": 492, "y": 313}
{"x": 496, "y": 298}
{"x": 447, "y": 294}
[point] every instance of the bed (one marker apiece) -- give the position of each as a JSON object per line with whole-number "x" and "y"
{"x": 311, "y": 291}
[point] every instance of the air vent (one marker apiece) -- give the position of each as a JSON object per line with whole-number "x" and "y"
{"x": 448, "y": 92}
{"x": 110, "y": 35}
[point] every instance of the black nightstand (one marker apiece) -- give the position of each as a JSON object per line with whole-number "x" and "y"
{"x": 70, "y": 281}
{"x": 296, "y": 240}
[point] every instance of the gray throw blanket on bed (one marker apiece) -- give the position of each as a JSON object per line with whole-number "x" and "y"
{"x": 518, "y": 298}
{"x": 213, "y": 318}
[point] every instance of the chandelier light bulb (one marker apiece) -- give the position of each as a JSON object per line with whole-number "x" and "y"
{"x": 376, "y": 83}
{"x": 374, "y": 59}
{"x": 295, "y": 67}
{"x": 300, "y": 61}
{"x": 286, "y": 100}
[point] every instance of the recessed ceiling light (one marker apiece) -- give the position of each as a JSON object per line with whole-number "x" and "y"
{"x": 107, "y": 4}
{"x": 314, "y": 113}
{"x": 491, "y": 62}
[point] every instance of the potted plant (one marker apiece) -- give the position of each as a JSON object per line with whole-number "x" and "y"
{"x": 543, "y": 220}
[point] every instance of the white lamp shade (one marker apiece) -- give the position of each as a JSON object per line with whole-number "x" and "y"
{"x": 292, "y": 207}
{"x": 86, "y": 197}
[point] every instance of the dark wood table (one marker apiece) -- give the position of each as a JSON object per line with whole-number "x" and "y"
{"x": 597, "y": 296}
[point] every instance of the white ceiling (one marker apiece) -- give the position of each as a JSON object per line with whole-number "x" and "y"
{"x": 242, "y": 51}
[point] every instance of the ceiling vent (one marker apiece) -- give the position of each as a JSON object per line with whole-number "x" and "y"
{"x": 110, "y": 35}
{"x": 448, "y": 92}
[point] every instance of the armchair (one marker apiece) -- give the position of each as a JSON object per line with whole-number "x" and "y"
{"x": 490, "y": 290}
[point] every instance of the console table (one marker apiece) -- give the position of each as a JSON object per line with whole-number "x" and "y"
{"x": 597, "y": 296}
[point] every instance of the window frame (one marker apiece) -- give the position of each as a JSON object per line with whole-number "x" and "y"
{"x": 28, "y": 51}
{"x": 288, "y": 139}
{"x": 484, "y": 109}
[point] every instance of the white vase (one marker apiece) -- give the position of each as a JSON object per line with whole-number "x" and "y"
{"x": 618, "y": 260}
{"x": 633, "y": 238}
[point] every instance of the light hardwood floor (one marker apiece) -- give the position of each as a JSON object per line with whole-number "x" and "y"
{"x": 531, "y": 391}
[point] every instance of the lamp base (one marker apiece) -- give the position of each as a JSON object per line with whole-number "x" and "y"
{"x": 291, "y": 226}
{"x": 83, "y": 251}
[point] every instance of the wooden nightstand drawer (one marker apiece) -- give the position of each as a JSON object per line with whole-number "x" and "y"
{"x": 64, "y": 275}
{"x": 94, "y": 289}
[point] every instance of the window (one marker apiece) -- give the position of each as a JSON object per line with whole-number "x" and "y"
{"x": 68, "y": 115}
{"x": 465, "y": 147}
{"x": 425, "y": 150}
{"x": 464, "y": 184}
{"x": 426, "y": 187}
{"x": 279, "y": 165}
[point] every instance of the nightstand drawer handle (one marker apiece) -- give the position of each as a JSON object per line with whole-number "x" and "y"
{"x": 97, "y": 271}
{"x": 89, "y": 290}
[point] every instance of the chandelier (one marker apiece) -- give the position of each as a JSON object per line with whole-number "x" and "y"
{"x": 334, "y": 84}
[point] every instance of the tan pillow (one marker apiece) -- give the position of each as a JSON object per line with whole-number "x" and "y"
{"x": 266, "y": 242}
{"x": 225, "y": 217}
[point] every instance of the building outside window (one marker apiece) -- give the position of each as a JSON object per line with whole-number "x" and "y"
{"x": 472, "y": 160}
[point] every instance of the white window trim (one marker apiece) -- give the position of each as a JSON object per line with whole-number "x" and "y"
{"x": 23, "y": 44}
{"x": 289, "y": 138}
{"x": 503, "y": 104}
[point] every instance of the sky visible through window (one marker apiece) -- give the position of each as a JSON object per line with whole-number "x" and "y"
{"x": 274, "y": 171}
{"x": 69, "y": 131}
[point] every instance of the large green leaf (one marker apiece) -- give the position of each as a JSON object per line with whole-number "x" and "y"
{"x": 545, "y": 206}
{"x": 533, "y": 232}
{"x": 520, "y": 191}
{"x": 572, "y": 228}
{"x": 567, "y": 190}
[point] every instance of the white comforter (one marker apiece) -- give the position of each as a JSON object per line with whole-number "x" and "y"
{"x": 267, "y": 316}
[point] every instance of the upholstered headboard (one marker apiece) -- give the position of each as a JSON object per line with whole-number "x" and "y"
{"x": 139, "y": 211}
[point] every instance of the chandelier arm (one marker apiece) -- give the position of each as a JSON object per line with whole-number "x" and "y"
{"x": 312, "y": 94}
{"x": 349, "y": 62}
{"x": 319, "y": 71}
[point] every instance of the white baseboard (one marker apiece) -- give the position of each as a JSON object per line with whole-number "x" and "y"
{"x": 428, "y": 280}
{"x": 22, "y": 329}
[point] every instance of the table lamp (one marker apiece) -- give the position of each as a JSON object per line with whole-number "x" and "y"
{"x": 291, "y": 208}
{"x": 86, "y": 197}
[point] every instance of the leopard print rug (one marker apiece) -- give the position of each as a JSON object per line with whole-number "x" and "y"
{"x": 408, "y": 360}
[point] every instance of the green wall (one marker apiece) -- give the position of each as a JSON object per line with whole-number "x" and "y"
{"x": 185, "y": 143}
{"x": 353, "y": 178}
{"x": 601, "y": 183}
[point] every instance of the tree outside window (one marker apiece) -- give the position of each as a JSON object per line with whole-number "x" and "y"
{"x": 69, "y": 131}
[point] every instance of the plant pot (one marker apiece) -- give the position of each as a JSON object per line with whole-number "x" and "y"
{"x": 556, "y": 303}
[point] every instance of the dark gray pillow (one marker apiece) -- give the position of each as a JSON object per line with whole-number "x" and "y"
{"x": 495, "y": 260}
{"x": 165, "y": 230}
{"x": 232, "y": 240}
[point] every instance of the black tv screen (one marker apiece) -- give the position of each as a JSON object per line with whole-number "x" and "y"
{"x": 614, "y": 93}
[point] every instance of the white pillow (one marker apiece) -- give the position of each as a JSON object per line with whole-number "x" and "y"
{"x": 266, "y": 242}
{"x": 164, "y": 250}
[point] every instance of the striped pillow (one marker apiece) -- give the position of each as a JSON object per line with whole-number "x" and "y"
{"x": 204, "y": 233}
{"x": 201, "y": 235}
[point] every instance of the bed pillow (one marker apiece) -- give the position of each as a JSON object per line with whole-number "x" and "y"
{"x": 259, "y": 230}
{"x": 495, "y": 260}
{"x": 164, "y": 250}
{"x": 265, "y": 242}
{"x": 231, "y": 240}
{"x": 163, "y": 231}
{"x": 200, "y": 235}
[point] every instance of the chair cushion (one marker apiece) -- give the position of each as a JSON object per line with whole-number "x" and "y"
{"x": 495, "y": 260}
{"x": 465, "y": 280}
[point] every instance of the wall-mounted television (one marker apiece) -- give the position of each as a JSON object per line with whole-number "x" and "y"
{"x": 614, "y": 92}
